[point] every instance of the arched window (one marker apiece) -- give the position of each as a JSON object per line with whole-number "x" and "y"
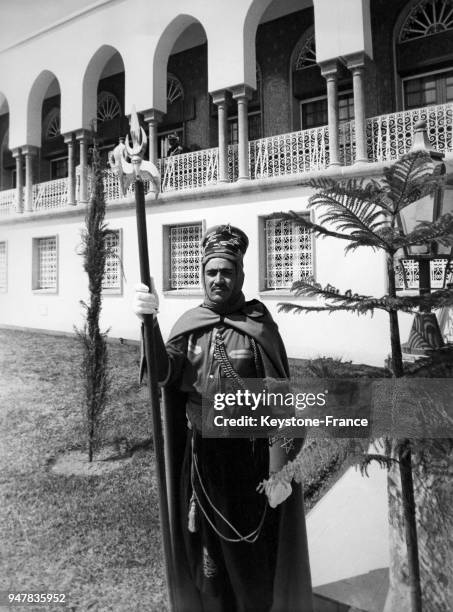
{"x": 424, "y": 33}
{"x": 52, "y": 124}
{"x": 174, "y": 89}
{"x": 306, "y": 55}
{"x": 426, "y": 18}
{"x": 108, "y": 107}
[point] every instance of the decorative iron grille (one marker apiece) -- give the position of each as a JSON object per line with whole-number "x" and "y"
{"x": 289, "y": 253}
{"x": 185, "y": 256}
{"x": 112, "y": 269}
{"x": 108, "y": 106}
{"x": 307, "y": 54}
{"x": 47, "y": 263}
{"x": 427, "y": 17}
{"x": 412, "y": 274}
{"x": 53, "y": 124}
{"x": 3, "y": 270}
{"x": 174, "y": 89}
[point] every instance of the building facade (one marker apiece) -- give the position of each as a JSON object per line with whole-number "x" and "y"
{"x": 263, "y": 95}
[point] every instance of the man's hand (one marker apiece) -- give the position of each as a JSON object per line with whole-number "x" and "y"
{"x": 145, "y": 302}
{"x": 276, "y": 489}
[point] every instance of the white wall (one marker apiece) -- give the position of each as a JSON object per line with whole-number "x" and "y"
{"x": 348, "y": 533}
{"x": 361, "y": 339}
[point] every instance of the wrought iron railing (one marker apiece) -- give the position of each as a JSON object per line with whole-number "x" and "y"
{"x": 391, "y": 136}
{"x": 50, "y": 194}
{"x": 409, "y": 277}
{"x": 292, "y": 153}
{"x": 189, "y": 170}
{"x": 7, "y": 201}
{"x": 388, "y": 137}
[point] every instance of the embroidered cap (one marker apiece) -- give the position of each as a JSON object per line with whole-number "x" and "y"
{"x": 224, "y": 241}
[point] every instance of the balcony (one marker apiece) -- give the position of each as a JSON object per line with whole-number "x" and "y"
{"x": 388, "y": 137}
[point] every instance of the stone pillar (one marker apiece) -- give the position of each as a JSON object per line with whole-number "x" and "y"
{"x": 242, "y": 93}
{"x": 219, "y": 99}
{"x": 82, "y": 138}
{"x": 69, "y": 140}
{"x": 356, "y": 64}
{"x": 29, "y": 152}
{"x": 17, "y": 154}
{"x": 153, "y": 117}
{"x": 329, "y": 71}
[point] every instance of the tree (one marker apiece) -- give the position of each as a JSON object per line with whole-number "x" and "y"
{"x": 95, "y": 358}
{"x": 367, "y": 213}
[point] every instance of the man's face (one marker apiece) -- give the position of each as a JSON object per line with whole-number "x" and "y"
{"x": 219, "y": 279}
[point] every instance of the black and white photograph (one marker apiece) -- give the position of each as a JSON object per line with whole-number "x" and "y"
{"x": 226, "y": 305}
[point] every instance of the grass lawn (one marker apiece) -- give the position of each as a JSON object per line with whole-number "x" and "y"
{"x": 95, "y": 538}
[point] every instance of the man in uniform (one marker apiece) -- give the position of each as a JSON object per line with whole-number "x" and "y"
{"x": 238, "y": 550}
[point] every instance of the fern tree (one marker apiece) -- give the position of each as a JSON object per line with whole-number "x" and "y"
{"x": 366, "y": 213}
{"x": 94, "y": 342}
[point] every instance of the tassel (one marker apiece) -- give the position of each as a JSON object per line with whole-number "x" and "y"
{"x": 192, "y": 526}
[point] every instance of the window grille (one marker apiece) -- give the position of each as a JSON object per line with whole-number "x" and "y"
{"x": 47, "y": 263}
{"x": 112, "y": 269}
{"x": 409, "y": 277}
{"x": 174, "y": 89}
{"x": 307, "y": 54}
{"x": 185, "y": 256}
{"x": 3, "y": 269}
{"x": 53, "y": 124}
{"x": 426, "y": 18}
{"x": 289, "y": 253}
{"x": 108, "y": 106}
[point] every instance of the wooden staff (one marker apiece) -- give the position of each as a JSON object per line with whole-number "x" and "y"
{"x": 150, "y": 355}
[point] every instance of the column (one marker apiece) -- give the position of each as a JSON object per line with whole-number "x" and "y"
{"x": 242, "y": 93}
{"x": 219, "y": 99}
{"x": 69, "y": 140}
{"x": 29, "y": 152}
{"x": 153, "y": 117}
{"x": 329, "y": 71}
{"x": 356, "y": 63}
{"x": 17, "y": 154}
{"x": 82, "y": 138}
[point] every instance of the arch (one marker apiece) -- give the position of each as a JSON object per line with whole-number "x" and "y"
{"x": 34, "y": 106}
{"x": 91, "y": 78}
{"x": 164, "y": 47}
{"x": 254, "y": 14}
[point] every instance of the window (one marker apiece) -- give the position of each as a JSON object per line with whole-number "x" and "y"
{"x": 306, "y": 53}
{"x": 314, "y": 112}
{"x": 426, "y": 90}
{"x": 108, "y": 107}
{"x": 112, "y": 282}
{"x": 288, "y": 253}
{"x": 426, "y": 18}
{"x": 254, "y": 127}
{"x": 52, "y": 123}
{"x": 45, "y": 264}
{"x": 3, "y": 268}
{"x": 182, "y": 257}
{"x": 59, "y": 168}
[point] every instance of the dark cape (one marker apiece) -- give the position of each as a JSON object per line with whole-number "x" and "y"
{"x": 292, "y": 590}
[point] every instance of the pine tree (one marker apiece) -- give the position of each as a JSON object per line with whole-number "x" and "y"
{"x": 366, "y": 213}
{"x": 95, "y": 358}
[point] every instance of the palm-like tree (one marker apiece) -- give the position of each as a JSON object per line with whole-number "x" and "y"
{"x": 367, "y": 213}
